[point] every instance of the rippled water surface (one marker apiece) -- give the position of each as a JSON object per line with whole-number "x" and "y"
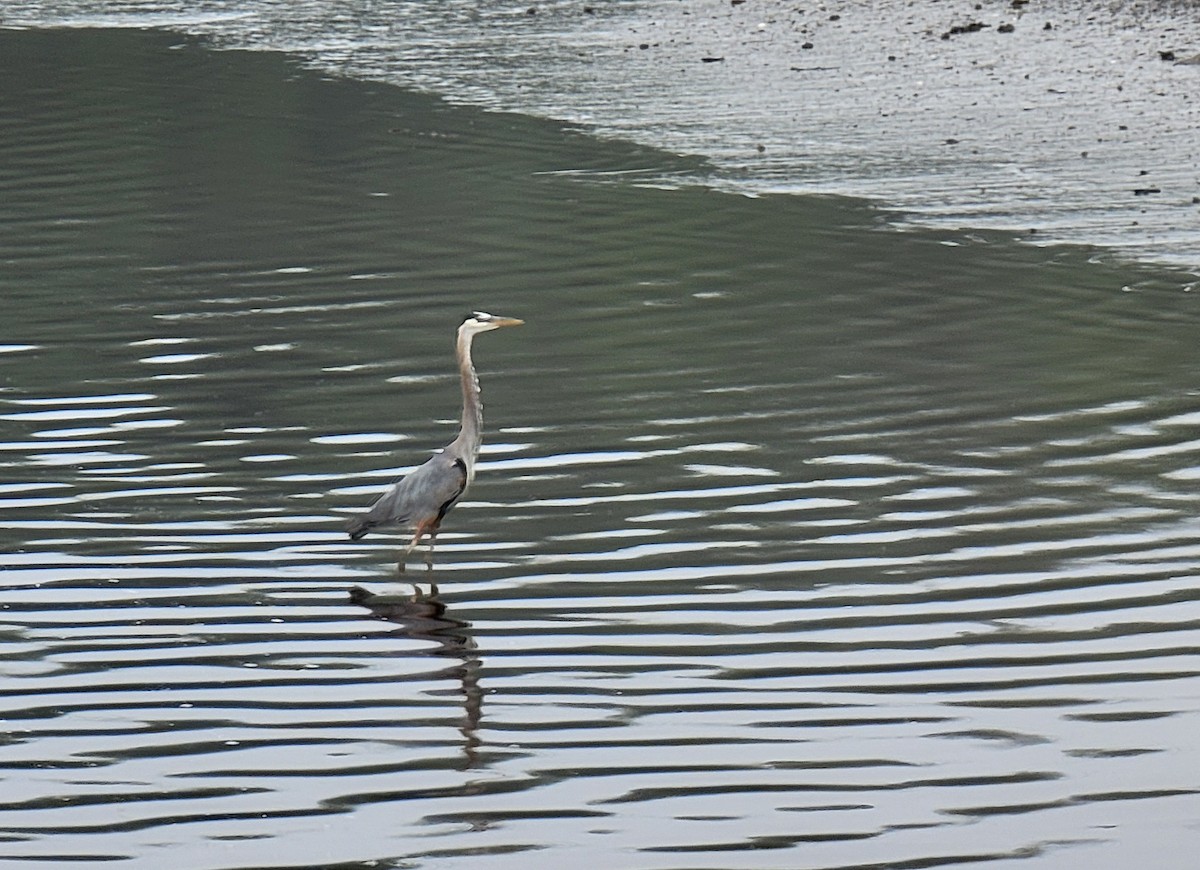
{"x": 798, "y": 542}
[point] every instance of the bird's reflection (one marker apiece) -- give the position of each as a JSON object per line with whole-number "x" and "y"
{"x": 422, "y": 616}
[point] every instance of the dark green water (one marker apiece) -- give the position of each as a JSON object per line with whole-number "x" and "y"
{"x": 798, "y": 541}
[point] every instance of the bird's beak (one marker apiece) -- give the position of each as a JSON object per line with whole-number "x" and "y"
{"x": 506, "y": 321}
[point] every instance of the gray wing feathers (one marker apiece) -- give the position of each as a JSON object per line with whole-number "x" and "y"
{"x": 425, "y": 494}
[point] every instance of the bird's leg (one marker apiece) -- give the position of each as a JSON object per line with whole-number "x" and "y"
{"x": 412, "y": 545}
{"x": 433, "y": 530}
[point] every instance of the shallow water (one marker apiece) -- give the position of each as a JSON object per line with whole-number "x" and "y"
{"x": 798, "y": 541}
{"x": 1050, "y": 121}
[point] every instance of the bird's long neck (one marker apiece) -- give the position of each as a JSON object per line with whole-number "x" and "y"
{"x": 471, "y": 434}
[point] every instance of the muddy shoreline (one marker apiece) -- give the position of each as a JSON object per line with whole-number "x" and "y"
{"x": 1055, "y": 121}
{"x": 1048, "y": 120}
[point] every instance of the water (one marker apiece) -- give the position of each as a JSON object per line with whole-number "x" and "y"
{"x": 1054, "y": 121}
{"x": 797, "y": 542}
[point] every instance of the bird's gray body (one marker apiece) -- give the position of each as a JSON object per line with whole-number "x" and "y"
{"x": 428, "y": 491}
{"x": 420, "y": 500}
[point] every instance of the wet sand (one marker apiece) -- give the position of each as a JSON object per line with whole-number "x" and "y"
{"x": 1057, "y": 121}
{"x": 1047, "y": 120}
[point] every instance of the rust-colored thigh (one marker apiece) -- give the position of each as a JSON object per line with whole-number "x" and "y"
{"x": 425, "y": 527}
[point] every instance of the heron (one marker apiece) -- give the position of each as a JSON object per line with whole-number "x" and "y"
{"x": 421, "y": 500}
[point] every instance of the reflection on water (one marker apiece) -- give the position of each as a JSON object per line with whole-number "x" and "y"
{"x": 422, "y": 617}
{"x": 796, "y": 542}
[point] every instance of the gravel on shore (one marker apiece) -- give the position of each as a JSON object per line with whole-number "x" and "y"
{"x": 1052, "y": 120}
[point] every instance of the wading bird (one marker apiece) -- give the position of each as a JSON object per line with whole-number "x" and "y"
{"x": 420, "y": 500}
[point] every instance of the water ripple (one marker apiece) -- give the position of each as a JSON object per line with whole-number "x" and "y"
{"x": 793, "y": 543}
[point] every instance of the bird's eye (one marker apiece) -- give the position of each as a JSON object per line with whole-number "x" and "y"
{"x": 482, "y": 315}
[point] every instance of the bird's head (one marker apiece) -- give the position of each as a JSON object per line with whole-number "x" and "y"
{"x": 481, "y": 321}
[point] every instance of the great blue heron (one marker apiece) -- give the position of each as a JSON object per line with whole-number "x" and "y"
{"x": 420, "y": 500}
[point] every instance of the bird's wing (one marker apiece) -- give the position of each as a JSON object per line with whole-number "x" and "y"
{"x": 425, "y": 494}
{"x": 444, "y": 479}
